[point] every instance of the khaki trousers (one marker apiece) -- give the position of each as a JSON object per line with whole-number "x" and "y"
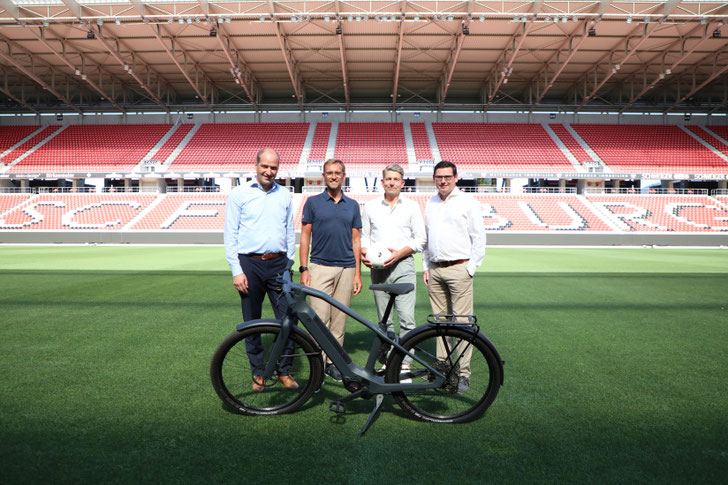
{"x": 451, "y": 293}
{"x": 338, "y": 283}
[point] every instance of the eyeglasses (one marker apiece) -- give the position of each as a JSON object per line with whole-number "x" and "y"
{"x": 446, "y": 178}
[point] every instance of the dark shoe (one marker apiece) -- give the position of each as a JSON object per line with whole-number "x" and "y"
{"x": 288, "y": 382}
{"x": 258, "y": 383}
{"x": 333, "y": 372}
{"x": 463, "y": 384}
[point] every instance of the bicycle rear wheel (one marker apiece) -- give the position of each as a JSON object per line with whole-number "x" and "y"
{"x": 448, "y": 403}
{"x": 233, "y": 375}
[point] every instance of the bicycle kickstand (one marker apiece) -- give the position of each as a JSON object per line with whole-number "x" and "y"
{"x": 377, "y": 405}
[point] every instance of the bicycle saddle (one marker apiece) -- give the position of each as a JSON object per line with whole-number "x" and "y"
{"x": 393, "y": 288}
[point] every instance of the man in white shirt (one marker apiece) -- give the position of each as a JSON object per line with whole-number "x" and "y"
{"x": 395, "y": 222}
{"x": 454, "y": 250}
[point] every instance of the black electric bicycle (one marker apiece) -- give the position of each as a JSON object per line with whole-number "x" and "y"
{"x": 422, "y": 369}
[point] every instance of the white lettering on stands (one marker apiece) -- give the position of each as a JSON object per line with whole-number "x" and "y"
{"x": 67, "y": 219}
{"x": 35, "y": 216}
{"x": 578, "y": 223}
{"x": 183, "y": 211}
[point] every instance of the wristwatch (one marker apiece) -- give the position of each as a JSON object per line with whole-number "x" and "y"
{"x": 301, "y": 269}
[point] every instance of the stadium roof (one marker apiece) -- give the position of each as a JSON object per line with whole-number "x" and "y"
{"x": 94, "y": 56}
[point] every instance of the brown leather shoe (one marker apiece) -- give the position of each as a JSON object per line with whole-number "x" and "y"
{"x": 258, "y": 383}
{"x": 288, "y": 382}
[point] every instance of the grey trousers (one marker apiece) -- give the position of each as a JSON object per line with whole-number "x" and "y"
{"x": 402, "y": 272}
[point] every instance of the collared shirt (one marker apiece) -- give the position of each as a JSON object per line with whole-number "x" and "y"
{"x": 455, "y": 230}
{"x": 331, "y": 226}
{"x": 395, "y": 227}
{"x": 257, "y": 221}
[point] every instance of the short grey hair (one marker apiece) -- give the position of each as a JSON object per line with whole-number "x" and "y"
{"x": 393, "y": 167}
{"x": 266, "y": 150}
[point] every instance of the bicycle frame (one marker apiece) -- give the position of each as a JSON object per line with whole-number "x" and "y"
{"x": 362, "y": 380}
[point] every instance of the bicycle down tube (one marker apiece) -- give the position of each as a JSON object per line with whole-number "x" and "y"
{"x": 301, "y": 310}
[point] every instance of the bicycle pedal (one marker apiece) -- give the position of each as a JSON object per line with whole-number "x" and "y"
{"x": 337, "y": 407}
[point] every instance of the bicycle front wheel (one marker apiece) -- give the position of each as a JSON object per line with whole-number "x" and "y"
{"x": 237, "y": 366}
{"x": 471, "y": 367}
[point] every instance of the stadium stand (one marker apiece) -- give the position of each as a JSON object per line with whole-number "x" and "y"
{"x": 205, "y": 212}
{"x": 665, "y": 213}
{"x": 10, "y": 201}
{"x": 33, "y": 141}
{"x": 420, "y": 141}
{"x": 720, "y": 130}
{"x": 709, "y": 139}
{"x": 567, "y": 139}
{"x": 500, "y": 147}
{"x": 233, "y": 146}
{"x": 185, "y": 211}
{"x": 172, "y": 142}
{"x": 320, "y": 142}
{"x": 10, "y": 135}
{"x": 75, "y": 211}
{"x": 649, "y": 148}
{"x": 371, "y": 146}
{"x": 96, "y": 148}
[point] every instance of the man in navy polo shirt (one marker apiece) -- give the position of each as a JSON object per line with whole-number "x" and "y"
{"x": 331, "y": 226}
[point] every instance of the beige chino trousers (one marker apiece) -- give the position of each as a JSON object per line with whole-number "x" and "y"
{"x": 338, "y": 283}
{"x": 451, "y": 292}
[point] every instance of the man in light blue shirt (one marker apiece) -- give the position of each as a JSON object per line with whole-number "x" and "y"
{"x": 259, "y": 241}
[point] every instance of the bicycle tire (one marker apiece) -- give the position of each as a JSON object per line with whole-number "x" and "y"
{"x": 445, "y": 404}
{"x": 232, "y": 375}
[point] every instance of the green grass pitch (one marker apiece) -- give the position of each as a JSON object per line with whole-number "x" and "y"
{"x": 616, "y": 372}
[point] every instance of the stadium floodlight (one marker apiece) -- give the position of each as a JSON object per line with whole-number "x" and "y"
{"x": 228, "y": 19}
{"x": 189, "y": 20}
{"x": 181, "y": 20}
{"x": 262, "y": 18}
{"x": 99, "y": 22}
{"x": 482, "y": 18}
{"x": 366, "y": 17}
{"x": 197, "y": 20}
{"x": 78, "y": 73}
{"x": 668, "y": 71}
{"x": 564, "y": 19}
{"x": 350, "y": 18}
{"x": 117, "y": 21}
{"x": 417, "y": 18}
{"x": 393, "y": 18}
{"x": 327, "y": 18}
{"x": 629, "y": 19}
{"x": 574, "y": 19}
{"x": 703, "y": 21}
{"x": 434, "y": 17}
{"x": 46, "y": 23}
{"x": 358, "y": 18}
{"x": 83, "y": 76}
{"x": 170, "y": 20}
{"x": 547, "y": 19}
{"x": 450, "y": 18}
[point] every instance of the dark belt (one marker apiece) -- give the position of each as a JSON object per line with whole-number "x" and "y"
{"x": 264, "y": 256}
{"x": 447, "y": 264}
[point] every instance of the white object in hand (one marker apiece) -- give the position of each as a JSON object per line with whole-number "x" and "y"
{"x": 377, "y": 254}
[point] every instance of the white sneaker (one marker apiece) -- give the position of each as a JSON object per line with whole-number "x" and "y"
{"x": 405, "y": 369}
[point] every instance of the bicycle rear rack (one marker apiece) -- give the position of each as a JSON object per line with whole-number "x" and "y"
{"x": 448, "y": 319}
